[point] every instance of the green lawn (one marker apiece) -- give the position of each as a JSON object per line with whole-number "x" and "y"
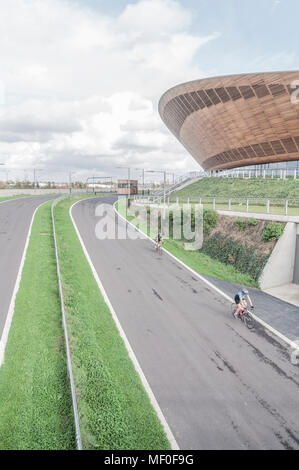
{"x": 35, "y": 402}
{"x": 199, "y": 262}
{"x": 238, "y": 187}
{"x": 2, "y": 199}
{"x": 114, "y": 409}
{"x": 241, "y": 207}
{"x": 9, "y": 198}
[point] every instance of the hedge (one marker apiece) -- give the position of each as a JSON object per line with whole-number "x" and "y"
{"x": 244, "y": 259}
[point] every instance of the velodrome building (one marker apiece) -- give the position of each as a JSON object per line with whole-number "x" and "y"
{"x": 237, "y": 121}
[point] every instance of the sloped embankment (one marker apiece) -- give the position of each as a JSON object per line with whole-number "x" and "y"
{"x": 240, "y": 243}
{"x": 237, "y": 187}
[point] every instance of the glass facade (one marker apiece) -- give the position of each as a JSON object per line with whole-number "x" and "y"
{"x": 289, "y": 167}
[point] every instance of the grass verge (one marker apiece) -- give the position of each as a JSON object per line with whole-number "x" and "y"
{"x": 238, "y": 187}
{"x": 115, "y": 411}
{"x": 9, "y": 198}
{"x": 254, "y": 209}
{"x": 35, "y": 401}
{"x": 200, "y": 262}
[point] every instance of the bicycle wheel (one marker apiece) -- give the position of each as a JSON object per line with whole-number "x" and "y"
{"x": 248, "y": 320}
{"x": 233, "y": 310}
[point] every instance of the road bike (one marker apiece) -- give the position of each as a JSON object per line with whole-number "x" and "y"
{"x": 245, "y": 316}
{"x": 158, "y": 248}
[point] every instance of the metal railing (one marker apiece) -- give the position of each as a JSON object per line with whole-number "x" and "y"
{"x": 274, "y": 206}
{"x": 68, "y": 353}
{"x": 247, "y": 173}
{"x": 179, "y": 181}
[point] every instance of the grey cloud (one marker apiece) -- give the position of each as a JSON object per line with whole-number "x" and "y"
{"x": 30, "y": 125}
{"x": 15, "y": 137}
{"x": 130, "y": 141}
{"x": 144, "y": 126}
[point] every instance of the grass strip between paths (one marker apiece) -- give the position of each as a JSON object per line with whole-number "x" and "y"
{"x": 10, "y": 198}
{"x": 199, "y": 262}
{"x": 35, "y": 400}
{"x": 114, "y": 409}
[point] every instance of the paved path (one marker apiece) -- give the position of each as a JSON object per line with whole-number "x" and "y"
{"x": 15, "y": 219}
{"x": 282, "y": 316}
{"x": 219, "y": 385}
{"x": 287, "y": 293}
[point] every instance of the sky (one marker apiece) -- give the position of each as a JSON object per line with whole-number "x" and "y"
{"x": 80, "y": 80}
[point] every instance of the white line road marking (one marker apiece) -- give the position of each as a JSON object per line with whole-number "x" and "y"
{"x": 133, "y": 358}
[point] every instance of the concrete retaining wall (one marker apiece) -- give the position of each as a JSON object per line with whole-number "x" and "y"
{"x": 257, "y": 215}
{"x": 280, "y": 267}
{"x": 296, "y": 266}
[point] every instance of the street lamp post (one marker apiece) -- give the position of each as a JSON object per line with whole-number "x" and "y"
{"x": 2, "y": 163}
{"x": 129, "y": 181}
{"x": 129, "y": 186}
{"x": 143, "y": 171}
{"x": 164, "y": 182}
{"x": 70, "y": 181}
{"x": 35, "y": 170}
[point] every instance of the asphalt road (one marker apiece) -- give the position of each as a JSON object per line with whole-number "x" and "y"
{"x": 15, "y": 219}
{"x": 219, "y": 385}
{"x": 282, "y": 316}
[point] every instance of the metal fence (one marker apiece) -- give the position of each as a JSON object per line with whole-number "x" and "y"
{"x": 275, "y": 206}
{"x": 247, "y": 173}
{"x": 67, "y": 344}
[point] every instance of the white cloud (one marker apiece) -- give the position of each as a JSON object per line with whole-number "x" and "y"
{"x": 81, "y": 87}
{"x": 152, "y": 18}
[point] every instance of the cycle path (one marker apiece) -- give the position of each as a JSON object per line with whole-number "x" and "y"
{"x": 282, "y": 316}
{"x": 219, "y": 385}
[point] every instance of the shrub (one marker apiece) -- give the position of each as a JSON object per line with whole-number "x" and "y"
{"x": 241, "y": 223}
{"x": 244, "y": 259}
{"x": 272, "y": 232}
{"x": 209, "y": 220}
{"x": 252, "y": 222}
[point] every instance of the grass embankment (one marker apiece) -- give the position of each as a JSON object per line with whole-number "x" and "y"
{"x": 199, "y": 262}
{"x": 9, "y": 198}
{"x": 22, "y": 196}
{"x": 240, "y": 189}
{"x": 35, "y": 401}
{"x": 115, "y": 411}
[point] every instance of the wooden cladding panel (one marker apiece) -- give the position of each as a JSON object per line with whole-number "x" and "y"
{"x": 233, "y": 121}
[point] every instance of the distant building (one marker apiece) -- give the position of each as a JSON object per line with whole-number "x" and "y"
{"x": 123, "y": 187}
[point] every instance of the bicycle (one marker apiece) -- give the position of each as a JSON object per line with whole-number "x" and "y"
{"x": 158, "y": 248}
{"x": 246, "y": 316}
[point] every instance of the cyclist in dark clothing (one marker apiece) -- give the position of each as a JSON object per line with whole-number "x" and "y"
{"x": 159, "y": 241}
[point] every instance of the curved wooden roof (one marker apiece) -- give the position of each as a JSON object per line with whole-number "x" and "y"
{"x": 237, "y": 120}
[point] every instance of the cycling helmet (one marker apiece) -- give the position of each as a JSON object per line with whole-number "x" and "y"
{"x": 244, "y": 291}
